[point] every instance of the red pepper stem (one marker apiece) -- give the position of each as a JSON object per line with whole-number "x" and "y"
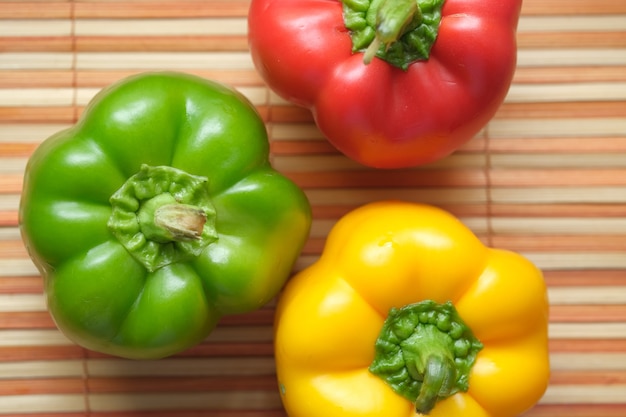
{"x": 393, "y": 17}
{"x": 399, "y": 32}
{"x": 371, "y": 50}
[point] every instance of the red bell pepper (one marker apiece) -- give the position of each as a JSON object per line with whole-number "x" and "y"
{"x": 390, "y": 83}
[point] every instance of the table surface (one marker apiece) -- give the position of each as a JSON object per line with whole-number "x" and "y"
{"x": 546, "y": 178}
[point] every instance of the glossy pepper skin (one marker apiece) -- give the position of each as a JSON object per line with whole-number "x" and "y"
{"x": 379, "y": 114}
{"x": 379, "y": 259}
{"x": 158, "y": 213}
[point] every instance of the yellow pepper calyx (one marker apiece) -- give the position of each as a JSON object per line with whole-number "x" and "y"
{"x": 425, "y": 353}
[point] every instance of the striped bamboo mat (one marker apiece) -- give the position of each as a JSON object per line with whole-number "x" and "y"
{"x": 547, "y": 178}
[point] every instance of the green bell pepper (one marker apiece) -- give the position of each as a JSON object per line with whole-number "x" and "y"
{"x": 157, "y": 213}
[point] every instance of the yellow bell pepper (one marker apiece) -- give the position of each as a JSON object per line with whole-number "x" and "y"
{"x": 407, "y": 313}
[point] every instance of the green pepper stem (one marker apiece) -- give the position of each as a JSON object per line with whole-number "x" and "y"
{"x": 163, "y": 219}
{"x": 181, "y": 221}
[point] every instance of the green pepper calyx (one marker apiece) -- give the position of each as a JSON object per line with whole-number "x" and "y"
{"x": 163, "y": 215}
{"x": 425, "y": 353}
{"x": 398, "y": 31}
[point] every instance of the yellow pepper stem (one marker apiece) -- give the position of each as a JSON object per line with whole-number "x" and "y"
{"x": 439, "y": 378}
{"x": 425, "y": 353}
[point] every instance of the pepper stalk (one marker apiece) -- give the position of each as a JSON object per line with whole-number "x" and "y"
{"x": 163, "y": 219}
{"x": 398, "y": 31}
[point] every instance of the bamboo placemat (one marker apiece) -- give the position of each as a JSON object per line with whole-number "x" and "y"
{"x": 546, "y": 177}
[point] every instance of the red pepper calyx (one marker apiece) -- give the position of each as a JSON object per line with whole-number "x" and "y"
{"x": 398, "y": 31}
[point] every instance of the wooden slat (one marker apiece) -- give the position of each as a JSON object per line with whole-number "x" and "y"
{"x": 555, "y": 243}
{"x": 584, "y": 410}
{"x": 555, "y": 176}
{"x": 101, "y": 78}
{"x": 160, "y": 9}
{"x": 591, "y": 278}
{"x": 572, "y": 39}
{"x": 582, "y": 109}
{"x": 61, "y": 114}
{"x": 584, "y": 145}
{"x": 40, "y": 353}
{"x": 121, "y": 9}
{"x": 398, "y": 179}
{"x": 581, "y": 313}
{"x": 169, "y": 413}
{"x": 21, "y": 285}
{"x": 8, "y": 218}
{"x": 573, "y": 7}
{"x": 42, "y": 386}
{"x": 189, "y": 43}
{"x": 186, "y": 413}
{"x": 182, "y": 384}
{"x": 36, "y": 44}
{"x": 10, "y": 183}
{"x": 34, "y": 10}
{"x": 586, "y": 72}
